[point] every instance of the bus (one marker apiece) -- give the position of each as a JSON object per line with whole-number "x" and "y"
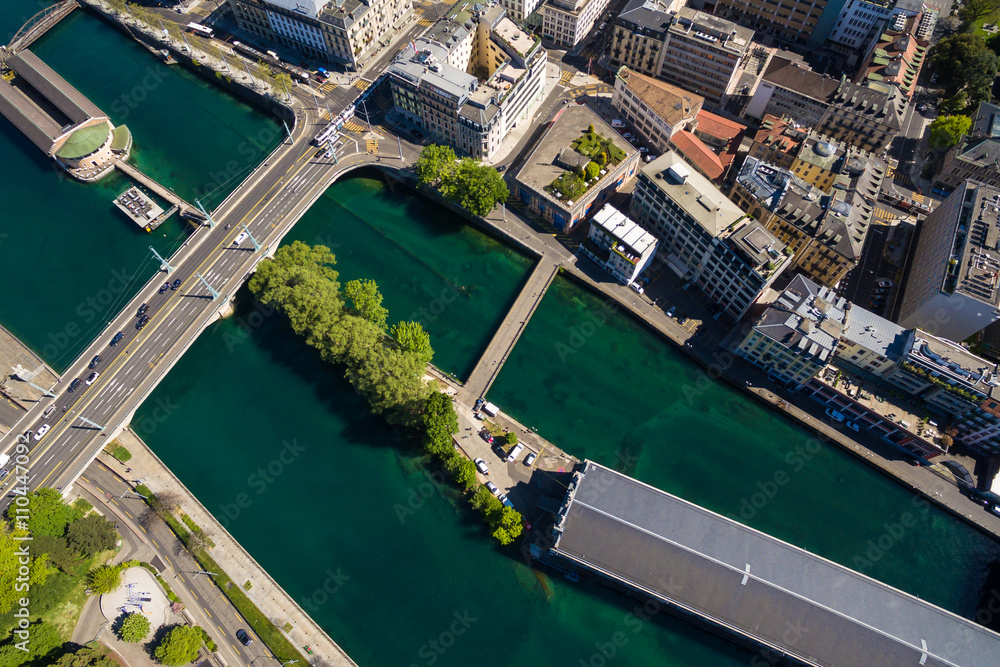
{"x": 200, "y": 29}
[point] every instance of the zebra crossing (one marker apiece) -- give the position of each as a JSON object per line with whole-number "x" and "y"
{"x": 565, "y": 78}
{"x": 361, "y": 84}
{"x": 353, "y": 126}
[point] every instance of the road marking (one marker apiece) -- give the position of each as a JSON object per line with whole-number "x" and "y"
{"x": 195, "y": 595}
{"x": 47, "y": 476}
{"x": 168, "y": 560}
{"x": 221, "y": 630}
{"x": 129, "y": 515}
{"x": 237, "y": 650}
{"x": 206, "y": 610}
{"x": 236, "y": 614}
{"x": 116, "y": 502}
{"x": 85, "y": 479}
{"x": 49, "y": 459}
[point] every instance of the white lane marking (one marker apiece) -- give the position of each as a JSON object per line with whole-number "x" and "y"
{"x": 746, "y": 576}
{"x": 46, "y": 461}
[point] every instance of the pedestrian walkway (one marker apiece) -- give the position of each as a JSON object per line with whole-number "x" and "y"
{"x": 269, "y": 597}
{"x": 19, "y": 366}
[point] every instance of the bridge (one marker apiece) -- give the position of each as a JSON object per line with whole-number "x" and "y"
{"x": 795, "y": 606}
{"x": 37, "y": 26}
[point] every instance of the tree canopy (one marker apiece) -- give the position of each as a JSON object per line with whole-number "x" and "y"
{"x": 85, "y": 657}
{"x": 412, "y": 338}
{"x": 474, "y": 186}
{"x": 43, "y": 646}
{"x": 49, "y": 515}
{"x": 91, "y": 534}
{"x": 9, "y": 564}
{"x": 104, "y": 579}
{"x": 435, "y": 163}
{"x": 134, "y": 628}
{"x": 970, "y": 66}
{"x": 179, "y": 645}
{"x": 973, "y": 11}
{"x": 946, "y": 131}
{"x": 365, "y": 300}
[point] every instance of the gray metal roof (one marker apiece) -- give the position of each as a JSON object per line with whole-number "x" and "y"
{"x": 875, "y": 333}
{"x": 807, "y": 317}
{"x": 37, "y": 125}
{"x": 56, "y": 89}
{"x": 753, "y": 584}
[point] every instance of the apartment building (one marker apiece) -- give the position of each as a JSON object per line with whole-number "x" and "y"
{"x": 704, "y": 238}
{"x": 953, "y": 288}
{"x": 567, "y": 22}
{"x": 785, "y": 144}
{"x": 520, "y": 10}
{"x": 691, "y": 49}
{"x": 789, "y": 20}
{"x": 618, "y": 245}
{"x": 345, "y": 32}
{"x": 976, "y": 155}
{"x": 859, "y": 22}
{"x": 897, "y": 57}
{"x": 788, "y": 87}
{"x": 656, "y": 110}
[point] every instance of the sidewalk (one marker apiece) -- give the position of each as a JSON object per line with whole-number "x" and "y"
{"x": 269, "y": 597}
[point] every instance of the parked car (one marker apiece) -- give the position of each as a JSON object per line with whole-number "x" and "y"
{"x": 515, "y": 452}
{"x": 682, "y": 319}
{"x": 530, "y": 458}
{"x": 482, "y": 467}
{"x": 854, "y": 426}
{"x": 486, "y": 435}
{"x": 673, "y": 309}
{"x": 493, "y": 488}
{"x": 174, "y": 285}
{"x": 835, "y": 415}
{"x": 74, "y": 384}
{"x": 505, "y": 501}
{"x": 42, "y": 431}
{"x": 244, "y": 637}
{"x": 117, "y": 339}
{"x": 164, "y": 287}
{"x": 93, "y": 378}
{"x": 479, "y": 404}
{"x": 883, "y": 283}
{"x": 93, "y": 362}
{"x": 636, "y": 286}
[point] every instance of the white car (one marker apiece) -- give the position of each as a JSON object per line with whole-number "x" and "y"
{"x": 518, "y": 448}
{"x": 493, "y": 488}
{"x": 241, "y": 238}
{"x": 530, "y": 458}
{"x": 93, "y": 378}
{"x": 42, "y": 431}
{"x": 482, "y": 467}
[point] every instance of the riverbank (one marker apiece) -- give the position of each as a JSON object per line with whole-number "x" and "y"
{"x": 20, "y": 366}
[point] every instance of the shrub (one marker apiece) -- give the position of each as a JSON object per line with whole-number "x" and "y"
{"x": 134, "y": 628}
{"x": 104, "y": 579}
{"x": 121, "y": 454}
{"x": 511, "y": 438}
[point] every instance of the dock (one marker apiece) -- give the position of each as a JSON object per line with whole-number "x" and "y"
{"x": 140, "y": 209}
{"x": 150, "y": 184}
{"x": 509, "y": 331}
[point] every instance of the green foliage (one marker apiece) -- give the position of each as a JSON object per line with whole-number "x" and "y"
{"x": 977, "y": 11}
{"x": 506, "y": 524}
{"x": 43, "y": 647}
{"x": 206, "y": 640}
{"x": 412, "y": 338}
{"x": 462, "y": 470}
{"x": 592, "y": 170}
{"x": 9, "y": 564}
{"x": 484, "y": 501}
{"x": 365, "y": 301}
{"x": 134, "y": 628}
{"x": 48, "y": 514}
{"x": 82, "y": 505}
{"x": 601, "y": 159}
{"x": 569, "y": 185}
{"x": 946, "y": 131}
{"x": 121, "y": 454}
{"x": 85, "y": 657}
{"x": 511, "y": 438}
{"x": 475, "y": 187}
{"x": 970, "y": 66}
{"x": 91, "y": 534}
{"x": 440, "y": 422}
{"x": 104, "y": 579}
{"x": 179, "y": 645}
{"x": 592, "y": 144}
{"x": 58, "y": 551}
{"x": 435, "y": 164}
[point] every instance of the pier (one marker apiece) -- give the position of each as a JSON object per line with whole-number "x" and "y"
{"x": 748, "y": 586}
{"x": 509, "y": 331}
{"x": 160, "y": 191}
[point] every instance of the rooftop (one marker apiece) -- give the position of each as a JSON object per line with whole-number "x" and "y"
{"x": 664, "y": 546}
{"x": 429, "y": 65}
{"x": 875, "y": 333}
{"x": 953, "y": 361}
{"x": 671, "y": 103}
{"x": 717, "y": 126}
{"x": 53, "y": 87}
{"x": 637, "y": 241}
{"x": 698, "y": 153}
{"x": 84, "y": 141}
{"x": 695, "y": 194}
{"x": 757, "y": 245}
{"x": 797, "y": 77}
{"x": 651, "y": 17}
{"x": 983, "y": 151}
{"x": 976, "y": 236}
{"x": 986, "y": 120}
{"x": 513, "y": 35}
{"x": 820, "y": 152}
{"x": 806, "y": 316}
{"x": 783, "y": 134}
{"x": 713, "y": 30}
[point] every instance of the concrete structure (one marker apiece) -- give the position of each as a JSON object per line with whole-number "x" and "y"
{"x": 953, "y": 288}
{"x": 791, "y": 22}
{"x": 346, "y": 32}
{"x": 655, "y": 109}
{"x": 567, "y": 22}
{"x": 976, "y": 155}
{"x": 788, "y": 87}
{"x": 859, "y": 22}
{"x": 704, "y": 238}
{"x": 554, "y": 156}
{"x": 691, "y": 49}
{"x": 470, "y": 79}
{"x": 621, "y": 247}
{"x": 870, "y": 343}
{"x": 748, "y": 586}
{"x": 825, "y": 232}
{"x": 520, "y": 10}
{"x": 58, "y": 119}
{"x": 897, "y": 57}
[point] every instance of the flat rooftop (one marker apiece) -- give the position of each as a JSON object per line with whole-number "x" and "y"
{"x": 694, "y": 193}
{"x": 975, "y": 246}
{"x": 623, "y": 229}
{"x": 757, "y": 586}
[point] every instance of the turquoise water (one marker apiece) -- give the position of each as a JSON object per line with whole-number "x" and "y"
{"x": 430, "y": 267}
{"x": 71, "y": 260}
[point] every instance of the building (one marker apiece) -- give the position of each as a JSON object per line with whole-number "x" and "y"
{"x": 470, "y": 79}
{"x": 859, "y": 22}
{"x": 655, "y": 109}
{"x": 567, "y": 22}
{"x": 791, "y": 20}
{"x": 711, "y": 145}
{"x": 783, "y": 143}
{"x": 976, "y": 155}
{"x": 346, "y": 32}
{"x": 618, "y": 245}
{"x": 520, "y": 10}
{"x": 704, "y": 238}
{"x": 953, "y": 288}
{"x": 788, "y": 87}
{"x": 870, "y": 343}
{"x": 825, "y": 232}
{"x": 691, "y": 49}
{"x": 552, "y": 167}
{"x": 897, "y": 57}
{"x": 798, "y": 334}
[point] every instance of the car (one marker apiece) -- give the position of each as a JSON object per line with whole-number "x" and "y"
{"x": 682, "y": 319}
{"x": 530, "y": 458}
{"x": 637, "y": 287}
{"x": 42, "y": 431}
{"x": 93, "y": 378}
{"x": 883, "y": 283}
{"x": 93, "y": 362}
{"x": 142, "y": 310}
{"x": 74, "y": 384}
{"x": 480, "y": 416}
{"x": 486, "y": 435}
{"x": 479, "y": 404}
{"x": 518, "y": 448}
{"x": 699, "y": 333}
{"x": 242, "y": 236}
{"x": 492, "y": 488}
{"x": 3, "y": 474}
{"x": 143, "y": 321}
{"x": 854, "y": 426}
{"x": 835, "y": 415}
{"x": 502, "y": 168}
{"x": 28, "y": 434}
{"x": 482, "y": 467}
{"x": 164, "y": 287}
{"x": 921, "y": 107}
{"x": 117, "y": 338}
{"x": 673, "y": 309}
{"x": 174, "y": 285}
{"x": 244, "y": 637}
{"x": 643, "y": 149}
{"x": 505, "y": 501}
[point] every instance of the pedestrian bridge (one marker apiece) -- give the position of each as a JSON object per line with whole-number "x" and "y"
{"x": 751, "y": 587}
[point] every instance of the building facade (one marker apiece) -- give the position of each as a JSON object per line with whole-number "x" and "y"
{"x": 789, "y": 20}
{"x": 618, "y": 245}
{"x": 655, "y": 109}
{"x": 567, "y": 22}
{"x": 897, "y": 57}
{"x": 859, "y": 22}
{"x": 346, "y": 32}
{"x": 704, "y": 238}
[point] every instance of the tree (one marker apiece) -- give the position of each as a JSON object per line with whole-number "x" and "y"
{"x": 58, "y": 551}
{"x": 592, "y": 170}
{"x": 92, "y": 534}
{"x": 475, "y": 187}
{"x": 134, "y": 628}
{"x": 104, "y": 579}
{"x": 947, "y": 441}
{"x": 298, "y": 265}
{"x": 440, "y": 422}
{"x": 85, "y": 657}
{"x": 462, "y": 470}
{"x": 412, "y": 338}
{"x": 179, "y": 646}
{"x": 366, "y": 301}
{"x": 511, "y": 438}
{"x": 43, "y": 646}
{"x": 434, "y": 164}
{"x": 970, "y": 66}
{"x": 48, "y": 514}
{"x": 973, "y": 11}
{"x": 955, "y": 104}
{"x": 507, "y": 525}
{"x": 10, "y": 555}
{"x": 946, "y": 131}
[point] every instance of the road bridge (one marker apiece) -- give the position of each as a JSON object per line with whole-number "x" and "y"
{"x": 756, "y": 589}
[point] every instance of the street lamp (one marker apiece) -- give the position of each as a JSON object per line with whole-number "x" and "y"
{"x": 288, "y": 663}
{"x": 214, "y": 574}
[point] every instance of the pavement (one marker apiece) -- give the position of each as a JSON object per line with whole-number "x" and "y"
{"x": 19, "y": 366}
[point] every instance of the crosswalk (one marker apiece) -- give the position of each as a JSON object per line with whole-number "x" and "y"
{"x": 328, "y": 86}
{"x": 425, "y": 23}
{"x": 899, "y": 177}
{"x": 353, "y": 126}
{"x": 361, "y": 84}
{"x": 883, "y": 215}
{"x": 565, "y": 78}
{"x": 371, "y": 144}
